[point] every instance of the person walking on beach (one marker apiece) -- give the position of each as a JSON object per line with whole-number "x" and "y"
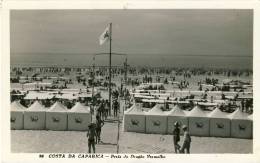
{"x": 102, "y": 109}
{"x": 116, "y": 107}
{"x": 91, "y": 137}
{"x": 106, "y": 109}
{"x": 186, "y": 140}
{"x": 99, "y": 108}
{"x": 99, "y": 125}
{"x": 176, "y": 136}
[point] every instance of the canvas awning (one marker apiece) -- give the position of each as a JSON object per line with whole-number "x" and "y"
{"x": 156, "y": 110}
{"x": 16, "y": 106}
{"x": 217, "y": 113}
{"x": 78, "y": 107}
{"x": 68, "y": 96}
{"x": 176, "y": 111}
{"x": 197, "y": 112}
{"x": 38, "y": 95}
{"x": 36, "y": 106}
{"x": 135, "y": 110}
{"x": 239, "y": 115}
{"x": 57, "y": 107}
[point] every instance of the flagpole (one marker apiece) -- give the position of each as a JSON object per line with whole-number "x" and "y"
{"x": 93, "y": 85}
{"x": 110, "y": 51}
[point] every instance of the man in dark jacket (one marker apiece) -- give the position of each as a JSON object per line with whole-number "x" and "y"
{"x": 176, "y": 136}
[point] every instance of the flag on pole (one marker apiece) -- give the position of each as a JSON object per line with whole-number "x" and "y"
{"x": 104, "y": 36}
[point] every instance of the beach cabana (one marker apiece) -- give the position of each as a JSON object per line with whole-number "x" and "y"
{"x": 79, "y": 117}
{"x": 156, "y": 120}
{"x": 176, "y": 115}
{"x": 241, "y": 125}
{"x": 67, "y": 96}
{"x": 32, "y": 95}
{"x": 57, "y": 117}
{"x": 219, "y": 123}
{"x": 198, "y": 122}
{"x": 34, "y": 117}
{"x": 16, "y": 117}
{"x": 134, "y": 119}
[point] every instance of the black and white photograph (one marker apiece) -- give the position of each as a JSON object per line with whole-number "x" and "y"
{"x": 158, "y": 81}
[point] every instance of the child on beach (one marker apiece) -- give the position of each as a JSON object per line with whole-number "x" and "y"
{"x": 91, "y": 137}
{"x": 176, "y": 136}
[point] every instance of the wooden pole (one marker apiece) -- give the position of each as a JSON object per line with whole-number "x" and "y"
{"x": 110, "y": 56}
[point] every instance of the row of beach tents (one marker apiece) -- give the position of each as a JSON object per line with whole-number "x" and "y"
{"x": 57, "y": 117}
{"x": 200, "y": 123}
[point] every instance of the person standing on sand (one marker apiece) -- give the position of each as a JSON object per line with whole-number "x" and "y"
{"x": 186, "y": 140}
{"x": 103, "y": 111}
{"x": 99, "y": 125}
{"x": 176, "y": 136}
{"x": 106, "y": 109}
{"x": 91, "y": 137}
{"x": 116, "y": 107}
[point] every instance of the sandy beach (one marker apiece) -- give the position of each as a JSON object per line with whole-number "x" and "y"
{"x": 28, "y": 141}
{"x": 42, "y": 141}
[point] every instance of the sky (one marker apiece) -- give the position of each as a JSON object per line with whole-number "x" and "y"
{"x": 141, "y": 34}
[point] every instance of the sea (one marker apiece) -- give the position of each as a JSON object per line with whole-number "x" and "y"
{"x": 146, "y": 60}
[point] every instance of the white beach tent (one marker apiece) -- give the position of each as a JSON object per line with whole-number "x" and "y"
{"x": 198, "y": 122}
{"x": 57, "y": 117}
{"x": 176, "y": 115}
{"x": 156, "y": 120}
{"x": 219, "y": 124}
{"x": 241, "y": 125}
{"x": 35, "y": 117}
{"x": 79, "y": 117}
{"x": 134, "y": 119}
{"x": 16, "y": 117}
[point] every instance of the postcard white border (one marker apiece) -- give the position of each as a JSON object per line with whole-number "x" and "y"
{"x": 202, "y": 158}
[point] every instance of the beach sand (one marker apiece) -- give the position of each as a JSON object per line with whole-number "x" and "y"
{"x": 33, "y": 141}
{"x": 28, "y": 141}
